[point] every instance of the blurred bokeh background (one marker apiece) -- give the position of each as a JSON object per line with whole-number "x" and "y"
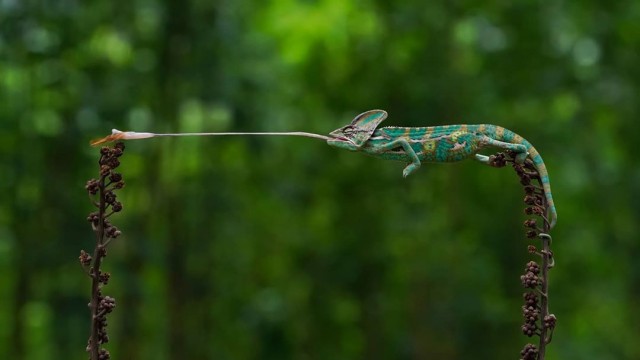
{"x": 285, "y": 248}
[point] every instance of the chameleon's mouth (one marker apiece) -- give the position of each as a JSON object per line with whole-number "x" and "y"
{"x": 342, "y": 138}
{"x": 339, "y": 135}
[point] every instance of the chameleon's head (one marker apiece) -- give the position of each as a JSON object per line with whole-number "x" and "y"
{"x": 345, "y": 134}
{"x": 354, "y": 135}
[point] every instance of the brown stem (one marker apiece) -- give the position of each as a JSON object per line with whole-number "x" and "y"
{"x": 98, "y": 254}
{"x": 536, "y": 199}
{"x": 547, "y": 263}
{"x": 544, "y": 296}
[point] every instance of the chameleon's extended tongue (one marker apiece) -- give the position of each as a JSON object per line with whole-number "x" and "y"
{"x": 132, "y": 135}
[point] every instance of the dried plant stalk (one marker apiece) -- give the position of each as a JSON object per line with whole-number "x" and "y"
{"x": 538, "y": 321}
{"x": 102, "y": 192}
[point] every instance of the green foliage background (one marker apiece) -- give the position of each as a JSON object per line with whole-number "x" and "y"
{"x": 284, "y": 248}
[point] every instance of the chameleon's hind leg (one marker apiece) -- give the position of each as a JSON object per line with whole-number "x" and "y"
{"x": 408, "y": 150}
{"x": 519, "y": 149}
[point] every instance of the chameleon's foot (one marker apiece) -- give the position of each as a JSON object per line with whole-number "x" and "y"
{"x": 545, "y": 236}
{"x": 410, "y": 169}
{"x": 521, "y": 157}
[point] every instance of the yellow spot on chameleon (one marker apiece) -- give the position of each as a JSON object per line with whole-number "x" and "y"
{"x": 430, "y": 145}
{"x": 455, "y": 135}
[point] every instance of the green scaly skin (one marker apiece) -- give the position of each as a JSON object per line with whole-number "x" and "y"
{"x": 447, "y": 143}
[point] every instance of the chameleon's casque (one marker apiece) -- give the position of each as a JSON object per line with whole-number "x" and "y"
{"x": 447, "y": 143}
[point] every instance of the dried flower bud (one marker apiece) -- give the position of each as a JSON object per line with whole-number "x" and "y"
{"x": 112, "y": 232}
{"x": 530, "y": 299}
{"x": 115, "y": 177}
{"x": 104, "y": 354}
{"x": 530, "y": 280}
{"x": 532, "y": 267}
{"x": 530, "y": 352}
{"x": 107, "y": 304}
{"x": 529, "y": 329}
{"x": 498, "y": 160}
{"x": 113, "y": 163}
{"x": 531, "y": 234}
{"x": 102, "y": 251}
{"x": 532, "y": 249}
{"x": 117, "y": 206}
{"x": 530, "y": 223}
{"x": 94, "y": 218}
{"x": 530, "y": 313}
{"x": 93, "y": 186}
{"x": 109, "y": 197}
{"x": 104, "y": 277}
{"x": 102, "y": 321}
{"x": 550, "y": 321}
{"x": 105, "y": 170}
{"x": 85, "y": 258}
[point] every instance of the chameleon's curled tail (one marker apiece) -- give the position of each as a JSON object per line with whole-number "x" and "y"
{"x": 509, "y": 136}
{"x": 546, "y": 185}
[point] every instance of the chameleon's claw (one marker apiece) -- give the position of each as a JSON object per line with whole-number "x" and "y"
{"x": 552, "y": 262}
{"x": 545, "y": 236}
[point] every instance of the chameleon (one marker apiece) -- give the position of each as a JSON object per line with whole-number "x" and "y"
{"x": 445, "y": 143}
{"x": 412, "y": 145}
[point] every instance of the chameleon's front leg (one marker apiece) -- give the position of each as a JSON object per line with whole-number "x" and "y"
{"x": 408, "y": 150}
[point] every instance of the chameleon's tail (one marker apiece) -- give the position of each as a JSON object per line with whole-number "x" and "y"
{"x": 509, "y": 136}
